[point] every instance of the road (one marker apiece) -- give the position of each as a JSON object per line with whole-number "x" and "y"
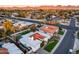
{"x": 68, "y": 41}
{"x": 26, "y": 20}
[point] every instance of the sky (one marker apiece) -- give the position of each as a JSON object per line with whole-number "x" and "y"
{"x": 38, "y": 2}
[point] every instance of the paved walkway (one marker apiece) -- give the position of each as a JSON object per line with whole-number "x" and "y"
{"x": 76, "y": 44}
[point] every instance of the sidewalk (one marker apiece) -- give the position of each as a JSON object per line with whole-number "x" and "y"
{"x": 76, "y": 23}
{"x": 76, "y": 44}
{"x": 58, "y": 43}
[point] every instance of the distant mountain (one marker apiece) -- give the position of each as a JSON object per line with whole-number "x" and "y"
{"x": 59, "y": 7}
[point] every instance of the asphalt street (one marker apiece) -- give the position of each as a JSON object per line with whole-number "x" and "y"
{"x": 68, "y": 41}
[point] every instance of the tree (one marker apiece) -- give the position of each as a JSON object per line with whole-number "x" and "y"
{"x": 8, "y": 26}
{"x": 3, "y": 34}
{"x": 33, "y": 27}
{"x": 22, "y": 14}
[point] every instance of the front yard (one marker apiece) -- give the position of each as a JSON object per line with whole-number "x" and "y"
{"x": 53, "y": 41}
{"x": 51, "y": 45}
{"x": 61, "y": 32}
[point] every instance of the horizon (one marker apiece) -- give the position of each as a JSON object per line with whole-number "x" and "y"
{"x": 34, "y": 6}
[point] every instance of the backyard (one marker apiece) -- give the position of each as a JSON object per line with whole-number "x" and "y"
{"x": 19, "y": 35}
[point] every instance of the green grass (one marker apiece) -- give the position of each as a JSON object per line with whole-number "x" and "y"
{"x": 51, "y": 45}
{"x": 23, "y": 33}
{"x": 18, "y": 37}
{"x": 61, "y": 32}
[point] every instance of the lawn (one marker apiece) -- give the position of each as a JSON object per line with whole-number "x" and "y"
{"x": 61, "y": 32}
{"x": 51, "y": 45}
{"x": 18, "y": 37}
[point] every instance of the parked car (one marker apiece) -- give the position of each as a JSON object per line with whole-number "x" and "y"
{"x": 70, "y": 51}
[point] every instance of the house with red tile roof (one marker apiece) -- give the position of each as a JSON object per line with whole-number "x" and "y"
{"x": 49, "y": 29}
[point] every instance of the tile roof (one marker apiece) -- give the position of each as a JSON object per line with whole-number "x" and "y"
{"x": 37, "y": 36}
{"x": 49, "y": 29}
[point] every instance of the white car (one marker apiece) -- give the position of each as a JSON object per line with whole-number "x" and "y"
{"x": 70, "y": 50}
